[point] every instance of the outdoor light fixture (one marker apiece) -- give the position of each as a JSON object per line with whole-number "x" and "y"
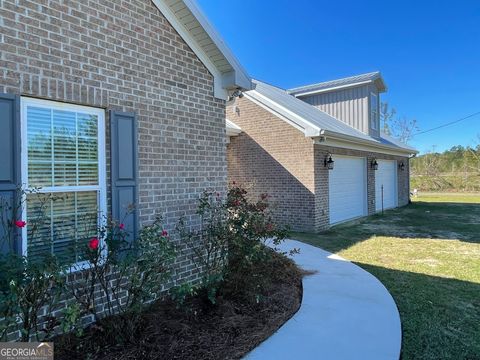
{"x": 374, "y": 164}
{"x": 329, "y": 162}
{"x": 402, "y": 166}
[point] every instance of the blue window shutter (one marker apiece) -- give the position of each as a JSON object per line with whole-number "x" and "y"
{"x": 124, "y": 170}
{"x": 10, "y": 171}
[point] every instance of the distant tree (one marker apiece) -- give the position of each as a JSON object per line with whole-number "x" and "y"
{"x": 402, "y": 128}
{"x": 431, "y": 163}
{"x": 387, "y": 114}
{"x": 472, "y": 157}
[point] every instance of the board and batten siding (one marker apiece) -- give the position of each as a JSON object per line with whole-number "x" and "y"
{"x": 352, "y": 105}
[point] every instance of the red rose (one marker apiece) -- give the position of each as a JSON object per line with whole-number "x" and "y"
{"x": 20, "y": 223}
{"x": 165, "y": 233}
{"x": 121, "y": 226}
{"x": 269, "y": 227}
{"x": 233, "y": 182}
{"x": 236, "y": 203}
{"x": 93, "y": 244}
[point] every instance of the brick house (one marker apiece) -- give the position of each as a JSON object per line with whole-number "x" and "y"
{"x": 318, "y": 151}
{"x": 113, "y": 103}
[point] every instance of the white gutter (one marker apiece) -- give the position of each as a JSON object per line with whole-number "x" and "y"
{"x": 354, "y": 140}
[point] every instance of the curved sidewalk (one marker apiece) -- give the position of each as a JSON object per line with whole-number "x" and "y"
{"x": 346, "y": 313}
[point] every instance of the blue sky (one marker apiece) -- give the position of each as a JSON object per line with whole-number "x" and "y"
{"x": 427, "y": 51}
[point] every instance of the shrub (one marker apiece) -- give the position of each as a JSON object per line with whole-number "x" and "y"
{"x": 26, "y": 287}
{"x": 230, "y": 242}
{"x": 179, "y": 294}
{"x": 251, "y": 229}
{"x": 117, "y": 277}
{"x": 126, "y": 275}
{"x": 207, "y": 246}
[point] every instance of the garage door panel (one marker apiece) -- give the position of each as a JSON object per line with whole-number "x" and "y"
{"x": 386, "y": 183}
{"x": 347, "y": 189}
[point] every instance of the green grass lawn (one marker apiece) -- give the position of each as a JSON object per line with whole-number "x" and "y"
{"x": 428, "y": 256}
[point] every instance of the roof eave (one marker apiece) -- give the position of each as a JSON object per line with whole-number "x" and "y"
{"x": 377, "y": 81}
{"x": 286, "y": 115}
{"x": 353, "y": 139}
{"x": 231, "y": 75}
{"x": 241, "y": 79}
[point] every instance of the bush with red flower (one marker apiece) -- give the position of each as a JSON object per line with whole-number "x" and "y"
{"x": 30, "y": 288}
{"x": 231, "y": 241}
{"x": 128, "y": 274}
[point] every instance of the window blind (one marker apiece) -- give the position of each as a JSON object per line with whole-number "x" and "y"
{"x": 63, "y": 162}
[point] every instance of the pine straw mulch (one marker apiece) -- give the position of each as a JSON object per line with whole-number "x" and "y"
{"x": 228, "y": 330}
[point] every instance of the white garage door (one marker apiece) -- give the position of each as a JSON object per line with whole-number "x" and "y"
{"x": 347, "y": 189}
{"x": 386, "y": 182}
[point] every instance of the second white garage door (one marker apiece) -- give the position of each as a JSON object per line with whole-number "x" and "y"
{"x": 347, "y": 189}
{"x": 386, "y": 182}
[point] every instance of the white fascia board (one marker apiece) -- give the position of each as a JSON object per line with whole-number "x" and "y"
{"x": 325, "y": 90}
{"x": 222, "y": 81}
{"x": 231, "y": 132}
{"x": 336, "y": 140}
{"x": 232, "y": 128}
{"x": 283, "y": 113}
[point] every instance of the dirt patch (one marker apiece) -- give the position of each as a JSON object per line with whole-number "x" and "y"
{"x": 228, "y": 330}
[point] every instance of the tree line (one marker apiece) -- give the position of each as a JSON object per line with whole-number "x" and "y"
{"x": 457, "y": 160}
{"x": 456, "y": 169}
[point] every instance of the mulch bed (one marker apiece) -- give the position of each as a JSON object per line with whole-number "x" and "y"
{"x": 228, "y": 330}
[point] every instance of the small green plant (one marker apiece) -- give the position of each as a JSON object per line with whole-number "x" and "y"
{"x": 179, "y": 294}
{"x": 71, "y": 320}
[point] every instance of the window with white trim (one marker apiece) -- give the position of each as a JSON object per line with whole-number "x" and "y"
{"x": 63, "y": 159}
{"x": 374, "y": 119}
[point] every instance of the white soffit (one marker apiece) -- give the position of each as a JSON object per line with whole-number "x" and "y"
{"x": 195, "y": 29}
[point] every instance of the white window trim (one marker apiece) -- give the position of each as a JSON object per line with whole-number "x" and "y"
{"x": 102, "y": 166}
{"x": 374, "y": 123}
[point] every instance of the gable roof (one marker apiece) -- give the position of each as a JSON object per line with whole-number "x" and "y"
{"x": 314, "y": 122}
{"x": 195, "y": 29}
{"x": 373, "y": 77}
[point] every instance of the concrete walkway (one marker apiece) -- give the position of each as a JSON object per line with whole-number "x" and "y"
{"x": 346, "y": 313}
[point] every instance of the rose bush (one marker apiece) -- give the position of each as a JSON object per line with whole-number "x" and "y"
{"x": 230, "y": 242}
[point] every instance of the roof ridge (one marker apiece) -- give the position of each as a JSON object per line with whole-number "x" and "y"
{"x": 349, "y": 80}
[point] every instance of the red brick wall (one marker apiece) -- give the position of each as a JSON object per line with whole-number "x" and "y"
{"x": 270, "y": 156}
{"x": 125, "y": 55}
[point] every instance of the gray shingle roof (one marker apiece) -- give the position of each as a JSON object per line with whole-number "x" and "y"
{"x": 348, "y": 81}
{"x": 309, "y": 119}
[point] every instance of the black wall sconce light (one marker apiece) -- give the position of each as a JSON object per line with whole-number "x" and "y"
{"x": 374, "y": 164}
{"x": 329, "y": 163}
{"x": 401, "y": 166}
